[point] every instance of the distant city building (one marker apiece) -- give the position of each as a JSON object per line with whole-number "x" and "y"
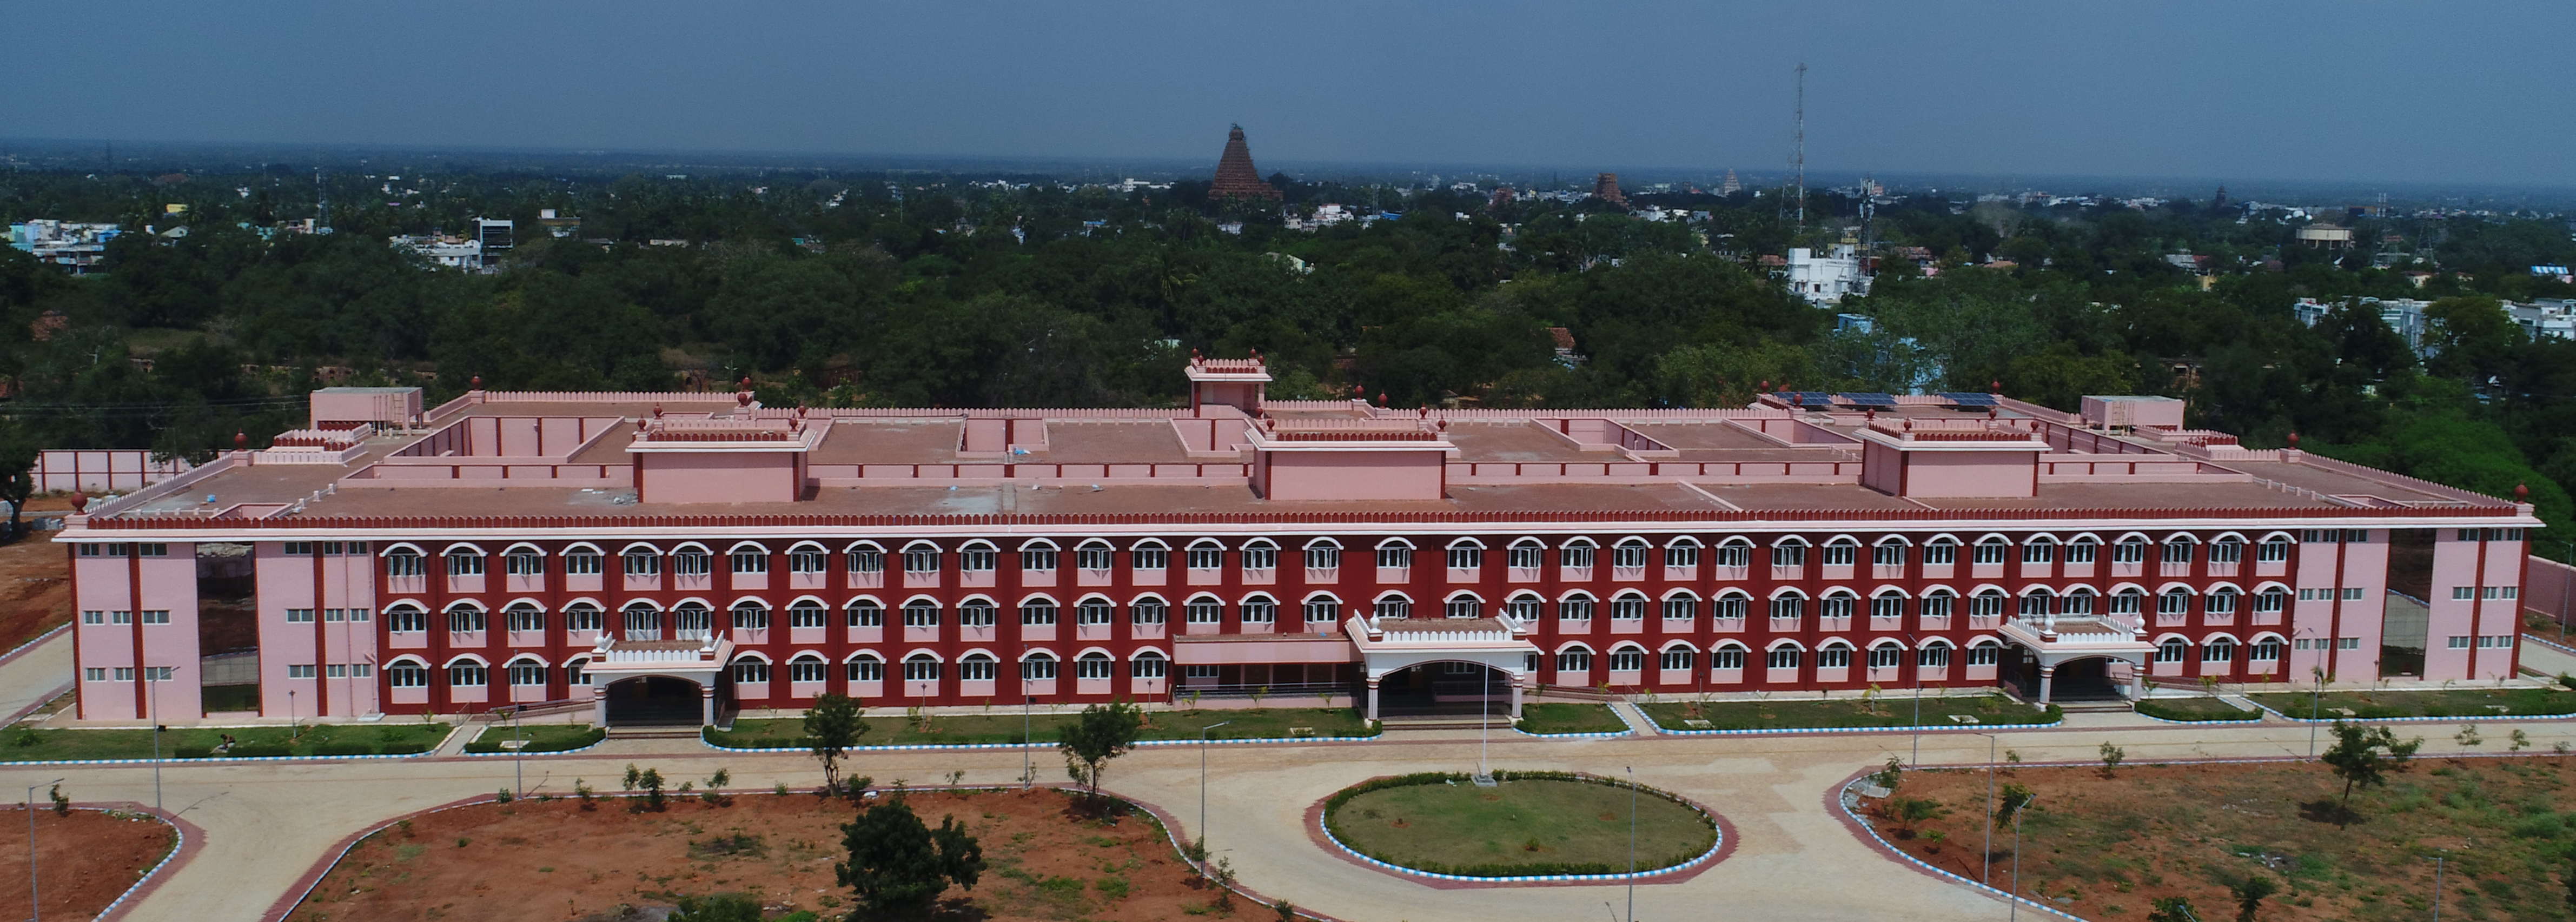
{"x": 568, "y": 226}
{"x": 1824, "y": 280}
{"x": 1731, "y": 186}
{"x": 496, "y": 236}
{"x": 2326, "y": 235}
{"x": 2543, "y": 318}
{"x": 1235, "y": 175}
{"x": 64, "y": 243}
{"x": 448, "y": 251}
{"x": 1606, "y": 188}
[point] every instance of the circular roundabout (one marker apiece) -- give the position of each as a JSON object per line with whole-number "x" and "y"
{"x": 1527, "y": 827}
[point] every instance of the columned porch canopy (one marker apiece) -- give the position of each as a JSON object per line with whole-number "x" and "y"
{"x": 699, "y": 661}
{"x": 1391, "y": 645}
{"x": 2056, "y": 640}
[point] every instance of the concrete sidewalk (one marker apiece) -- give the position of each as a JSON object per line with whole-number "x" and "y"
{"x": 38, "y": 675}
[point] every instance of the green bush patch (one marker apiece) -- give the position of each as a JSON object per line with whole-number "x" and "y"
{"x": 540, "y": 737}
{"x": 2195, "y": 709}
{"x": 1530, "y": 824}
{"x": 1570, "y": 718}
{"x": 1888, "y": 710}
{"x": 2463, "y": 702}
{"x": 67, "y": 743}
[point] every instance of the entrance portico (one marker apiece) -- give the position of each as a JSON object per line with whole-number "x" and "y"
{"x": 698, "y": 661}
{"x": 2056, "y": 640}
{"x": 1391, "y": 645}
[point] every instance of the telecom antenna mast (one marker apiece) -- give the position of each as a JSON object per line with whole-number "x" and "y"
{"x": 1798, "y": 155}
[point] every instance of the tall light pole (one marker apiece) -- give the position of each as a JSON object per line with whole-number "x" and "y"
{"x": 1986, "y": 874}
{"x": 1916, "y": 645}
{"x": 2437, "y": 888}
{"x": 519, "y": 754}
{"x": 2015, "y": 911}
{"x": 1484, "y": 723}
{"x": 1028, "y": 770}
{"x": 35, "y": 908}
{"x": 2316, "y": 707}
{"x": 1632, "y": 843}
{"x": 1203, "y": 747}
{"x": 152, "y": 682}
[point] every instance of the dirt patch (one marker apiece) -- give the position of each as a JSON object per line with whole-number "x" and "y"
{"x": 86, "y": 860}
{"x": 35, "y": 588}
{"x": 552, "y": 861}
{"x": 2107, "y": 848}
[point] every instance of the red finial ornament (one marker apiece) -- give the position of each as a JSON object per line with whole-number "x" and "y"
{"x": 80, "y": 502}
{"x": 241, "y": 440}
{"x": 746, "y": 382}
{"x": 2521, "y": 492}
{"x": 478, "y": 382}
{"x": 2294, "y": 440}
{"x": 742, "y": 399}
{"x": 1995, "y": 387}
{"x": 639, "y": 424}
{"x": 1766, "y": 385}
{"x": 1990, "y": 413}
{"x": 1381, "y": 398}
{"x": 1444, "y": 424}
{"x": 1360, "y": 391}
{"x": 657, "y": 411}
{"x": 1426, "y": 413}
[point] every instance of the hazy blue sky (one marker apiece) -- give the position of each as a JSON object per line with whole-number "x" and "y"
{"x": 2251, "y": 89}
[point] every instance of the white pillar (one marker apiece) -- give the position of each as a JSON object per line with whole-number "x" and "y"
{"x": 1372, "y": 699}
{"x": 598, "y": 705}
{"x": 707, "y": 704}
{"x": 1516, "y": 697}
{"x": 2047, "y": 679}
{"x": 2137, "y": 681}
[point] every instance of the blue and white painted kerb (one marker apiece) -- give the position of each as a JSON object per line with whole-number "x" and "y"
{"x": 2456, "y": 719}
{"x": 1927, "y": 728}
{"x": 1847, "y": 797}
{"x": 178, "y": 843}
{"x": 954, "y": 747}
{"x": 174, "y": 760}
{"x": 550, "y": 752}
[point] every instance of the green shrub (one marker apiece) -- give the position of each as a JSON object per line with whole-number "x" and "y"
{"x": 192, "y": 752}
{"x": 259, "y": 750}
{"x": 344, "y": 749}
{"x": 405, "y": 749}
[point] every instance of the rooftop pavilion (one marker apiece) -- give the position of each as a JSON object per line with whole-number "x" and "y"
{"x": 539, "y": 457}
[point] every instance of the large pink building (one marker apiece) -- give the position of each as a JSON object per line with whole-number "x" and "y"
{"x": 676, "y": 556}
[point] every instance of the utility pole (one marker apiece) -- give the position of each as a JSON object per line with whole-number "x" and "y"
{"x": 1798, "y": 154}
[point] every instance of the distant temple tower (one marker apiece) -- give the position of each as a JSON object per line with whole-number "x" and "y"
{"x": 1235, "y": 177}
{"x": 2219, "y": 202}
{"x": 1732, "y": 185}
{"x": 1606, "y": 188}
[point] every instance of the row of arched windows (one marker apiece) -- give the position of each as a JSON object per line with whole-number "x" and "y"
{"x": 1528, "y": 553}
{"x": 468, "y": 670}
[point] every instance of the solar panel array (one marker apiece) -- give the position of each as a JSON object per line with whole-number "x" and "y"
{"x": 1815, "y": 400}
{"x": 1869, "y": 400}
{"x": 1965, "y": 399}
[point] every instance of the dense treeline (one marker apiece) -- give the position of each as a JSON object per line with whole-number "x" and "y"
{"x": 905, "y": 290}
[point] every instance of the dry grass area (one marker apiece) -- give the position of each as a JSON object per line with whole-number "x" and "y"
{"x": 554, "y": 861}
{"x": 2106, "y": 847}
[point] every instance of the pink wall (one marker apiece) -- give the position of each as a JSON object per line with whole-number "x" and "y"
{"x": 1351, "y": 475}
{"x": 720, "y": 477}
{"x": 347, "y": 581}
{"x": 106, "y": 585}
{"x": 1971, "y": 473}
{"x": 101, "y": 471}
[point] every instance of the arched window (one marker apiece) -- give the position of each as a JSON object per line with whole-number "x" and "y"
{"x": 865, "y": 612}
{"x": 1575, "y": 607}
{"x": 2218, "y": 650}
{"x": 978, "y": 666}
{"x": 1095, "y": 555}
{"x": 1094, "y": 610}
{"x": 2178, "y": 550}
{"x": 2132, "y": 549}
{"x": 1323, "y": 554}
{"x": 1834, "y": 655}
{"x": 806, "y": 667}
{"x": 866, "y": 559}
{"x": 2037, "y": 602}
{"x": 1206, "y": 554}
{"x": 2078, "y": 600}
{"x": 2221, "y": 600}
{"x": 1888, "y": 552}
{"x": 466, "y": 673}
{"x": 406, "y": 618}
{"x": 403, "y": 561}
{"x": 977, "y": 557}
{"x": 1038, "y": 666}
{"x": 1682, "y": 552}
{"x": 805, "y": 613}
{"x": 1393, "y": 605}
{"x": 1681, "y": 606}
{"x": 1148, "y": 610}
{"x": 1934, "y": 655}
{"x": 1260, "y": 554}
{"x": 1466, "y": 554}
{"x": 1038, "y": 612}
{"x": 1394, "y": 554}
{"x": 692, "y": 621}
{"x": 975, "y": 612}
{"x": 584, "y": 616}
{"x": 2229, "y": 550}
{"x": 921, "y": 557}
{"x": 1576, "y": 658}
{"x": 527, "y": 670}
{"x": 1733, "y": 604}
{"x": 1789, "y": 552}
{"x": 750, "y": 671}
{"x": 1204, "y": 609}
{"x": 1728, "y": 655}
{"x": 1463, "y": 605}
{"x": 1678, "y": 657}
{"x": 921, "y": 667}
{"x": 806, "y": 559}
{"x": 921, "y": 613}
{"x": 1985, "y": 653}
{"x": 523, "y": 560}
{"x": 691, "y": 560}
{"x": 1735, "y": 552}
{"x": 1888, "y": 604}
{"x": 1886, "y": 656}
{"x": 867, "y": 667}
{"x": 406, "y": 673}
{"x": 465, "y": 560}
{"x": 1576, "y": 555}
{"x": 2272, "y": 600}
{"x": 1524, "y": 606}
{"x": 1941, "y": 551}
{"x": 750, "y": 615}
{"x": 1629, "y": 553}
{"x": 2039, "y": 549}
{"x": 1323, "y": 608}
{"x": 2173, "y": 650}
{"x": 1258, "y": 608}
{"x": 1789, "y": 606}
{"x": 1987, "y": 603}
{"x": 1938, "y": 602}
{"x": 1785, "y": 656}
{"x": 642, "y": 621}
{"x": 1149, "y": 664}
{"x": 1991, "y": 549}
{"x": 1092, "y": 665}
{"x": 1628, "y": 606}
{"x": 1038, "y": 556}
{"x": 1627, "y": 658}
{"x": 465, "y": 616}
{"x": 2274, "y": 549}
{"x": 2174, "y": 602}
{"x": 525, "y": 617}
{"x": 1527, "y": 554}
{"x": 2129, "y": 600}
{"x": 1842, "y": 551}
{"x": 2082, "y": 550}
{"x": 1838, "y": 603}
{"x": 748, "y": 558}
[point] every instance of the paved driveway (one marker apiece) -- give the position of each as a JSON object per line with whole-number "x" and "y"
{"x": 266, "y": 824}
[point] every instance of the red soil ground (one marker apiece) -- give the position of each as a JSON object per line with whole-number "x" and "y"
{"x": 35, "y": 588}
{"x": 2106, "y": 847}
{"x": 83, "y": 861}
{"x": 553, "y": 861}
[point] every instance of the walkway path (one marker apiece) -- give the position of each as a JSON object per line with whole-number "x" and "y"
{"x": 37, "y": 675}
{"x": 266, "y": 824}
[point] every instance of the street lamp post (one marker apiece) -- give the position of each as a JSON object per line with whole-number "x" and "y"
{"x": 1917, "y": 648}
{"x": 1986, "y": 874}
{"x": 1028, "y": 770}
{"x": 2015, "y": 911}
{"x": 2316, "y": 707}
{"x": 1203, "y": 747}
{"x": 1632, "y": 843}
{"x": 35, "y": 907}
{"x": 2437, "y": 888}
{"x": 518, "y": 754}
{"x": 152, "y": 683}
